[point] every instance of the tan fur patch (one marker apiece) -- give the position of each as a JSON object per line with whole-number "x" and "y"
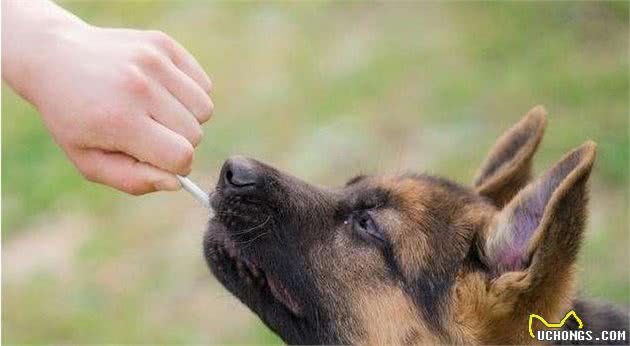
{"x": 412, "y": 247}
{"x": 389, "y": 318}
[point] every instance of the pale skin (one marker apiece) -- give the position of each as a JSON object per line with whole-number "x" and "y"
{"x": 126, "y": 106}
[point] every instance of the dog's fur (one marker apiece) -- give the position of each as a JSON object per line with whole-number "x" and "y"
{"x": 402, "y": 259}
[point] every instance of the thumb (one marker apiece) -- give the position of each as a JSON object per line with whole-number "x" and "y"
{"x": 124, "y": 172}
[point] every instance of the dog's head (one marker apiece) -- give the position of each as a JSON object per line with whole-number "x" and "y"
{"x": 404, "y": 258}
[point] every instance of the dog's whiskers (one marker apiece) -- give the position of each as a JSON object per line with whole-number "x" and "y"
{"x": 250, "y": 230}
{"x": 251, "y": 241}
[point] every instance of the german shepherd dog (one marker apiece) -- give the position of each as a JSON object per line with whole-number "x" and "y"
{"x": 411, "y": 259}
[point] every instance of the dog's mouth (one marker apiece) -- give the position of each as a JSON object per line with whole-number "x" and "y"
{"x": 230, "y": 262}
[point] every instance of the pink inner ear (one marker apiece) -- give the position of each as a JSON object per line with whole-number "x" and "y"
{"x": 525, "y": 220}
{"x": 527, "y": 215}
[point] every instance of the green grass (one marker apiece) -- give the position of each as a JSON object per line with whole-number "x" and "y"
{"x": 322, "y": 90}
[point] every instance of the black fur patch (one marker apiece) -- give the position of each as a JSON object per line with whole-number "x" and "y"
{"x": 355, "y": 179}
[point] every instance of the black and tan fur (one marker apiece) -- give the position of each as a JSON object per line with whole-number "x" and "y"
{"x": 409, "y": 259}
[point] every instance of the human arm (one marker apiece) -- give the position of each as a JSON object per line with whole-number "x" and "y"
{"x": 126, "y": 106}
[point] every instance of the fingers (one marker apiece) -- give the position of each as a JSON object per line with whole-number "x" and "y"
{"x": 168, "y": 111}
{"x": 151, "y": 142}
{"x": 182, "y": 59}
{"x": 162, "y": 71}
{"x": 189, "y": 65}
{"x": 124, "y": 173}
{"x": 195, "y": 99}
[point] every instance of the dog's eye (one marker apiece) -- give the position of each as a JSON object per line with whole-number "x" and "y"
{"x": 363, "y": 224}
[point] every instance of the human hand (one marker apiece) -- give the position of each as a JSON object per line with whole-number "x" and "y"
{"x": 124, "y": 105}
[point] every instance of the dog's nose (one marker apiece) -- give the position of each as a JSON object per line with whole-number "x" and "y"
{"x": 238, "y": 172}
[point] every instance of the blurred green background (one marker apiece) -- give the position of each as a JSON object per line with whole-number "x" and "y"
{"x": 322, "y": 90}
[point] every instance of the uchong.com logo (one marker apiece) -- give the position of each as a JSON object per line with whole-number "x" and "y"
{"x": 553, "y": 332}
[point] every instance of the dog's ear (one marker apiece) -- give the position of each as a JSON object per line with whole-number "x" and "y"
{"x": 531, "y": 246}
{"x": 507, "y": 167}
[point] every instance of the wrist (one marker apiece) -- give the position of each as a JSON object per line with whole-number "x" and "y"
{"x": 32, "y": 32}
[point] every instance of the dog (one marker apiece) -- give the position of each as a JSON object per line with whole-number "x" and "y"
{"x": 412, "y": 259}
